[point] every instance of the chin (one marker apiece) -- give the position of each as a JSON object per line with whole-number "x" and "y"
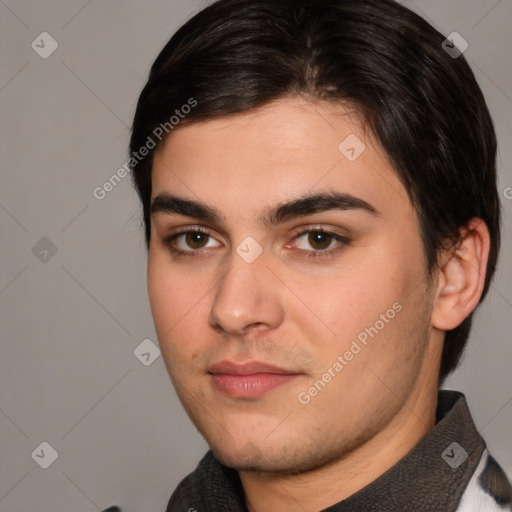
{"x": 247, "y": 458}
{"x": 251, "y": 459}
{"x": 283, "y": 460}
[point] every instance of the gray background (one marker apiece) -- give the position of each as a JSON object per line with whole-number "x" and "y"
{"x": 70, "y": 321}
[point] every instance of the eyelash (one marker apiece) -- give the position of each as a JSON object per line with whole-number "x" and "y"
{"x": 343, "y": 241}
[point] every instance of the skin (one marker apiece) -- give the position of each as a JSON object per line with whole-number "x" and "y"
{"x": 298, "y": 312}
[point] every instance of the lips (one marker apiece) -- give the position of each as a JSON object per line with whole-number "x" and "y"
{"x": 248, "y": 368}
{"x": 252, "y": 379}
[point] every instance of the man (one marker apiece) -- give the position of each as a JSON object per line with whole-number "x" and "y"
{"x": 318, "y": 183}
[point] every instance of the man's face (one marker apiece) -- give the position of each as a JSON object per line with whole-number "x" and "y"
{"x": 320, "y": 312}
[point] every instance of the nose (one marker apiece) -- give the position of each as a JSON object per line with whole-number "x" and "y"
{"x": 248, "y": 297}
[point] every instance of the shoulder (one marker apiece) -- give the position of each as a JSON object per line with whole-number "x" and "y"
{"x": 211, "y": 486}
{"x": 489, "y": 489}
{"x": 185, "y": 496}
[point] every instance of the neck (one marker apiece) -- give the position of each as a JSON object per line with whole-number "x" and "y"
{"x": 331, "y": 484}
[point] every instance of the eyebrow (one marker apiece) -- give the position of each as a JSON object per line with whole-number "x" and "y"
{"x": 165, "y": 203}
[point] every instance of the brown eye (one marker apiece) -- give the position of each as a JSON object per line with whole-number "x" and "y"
{"x": 196, "y": 239}
{"x": 319, "y": 240}
{"x": 320, "y": 243}
{"x": 190, "y": 243}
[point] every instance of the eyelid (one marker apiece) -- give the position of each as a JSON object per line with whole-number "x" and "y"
{"x": 316, "y": 227}
{"x": 187, "y": 229}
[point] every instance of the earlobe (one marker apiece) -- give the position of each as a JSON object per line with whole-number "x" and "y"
{"x": 461, "y": 276}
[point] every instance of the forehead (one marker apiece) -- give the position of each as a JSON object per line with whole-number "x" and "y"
{"x": 281, "y": 151}
{"x": 286, "y": 127}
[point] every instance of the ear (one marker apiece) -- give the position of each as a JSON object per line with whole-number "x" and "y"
{"x": 461, "y": 276}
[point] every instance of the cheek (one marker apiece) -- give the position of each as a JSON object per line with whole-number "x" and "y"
{"x": 345, "y": 300}
{"x": 178, "y": 304}
{"x": 365, "y": 300}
